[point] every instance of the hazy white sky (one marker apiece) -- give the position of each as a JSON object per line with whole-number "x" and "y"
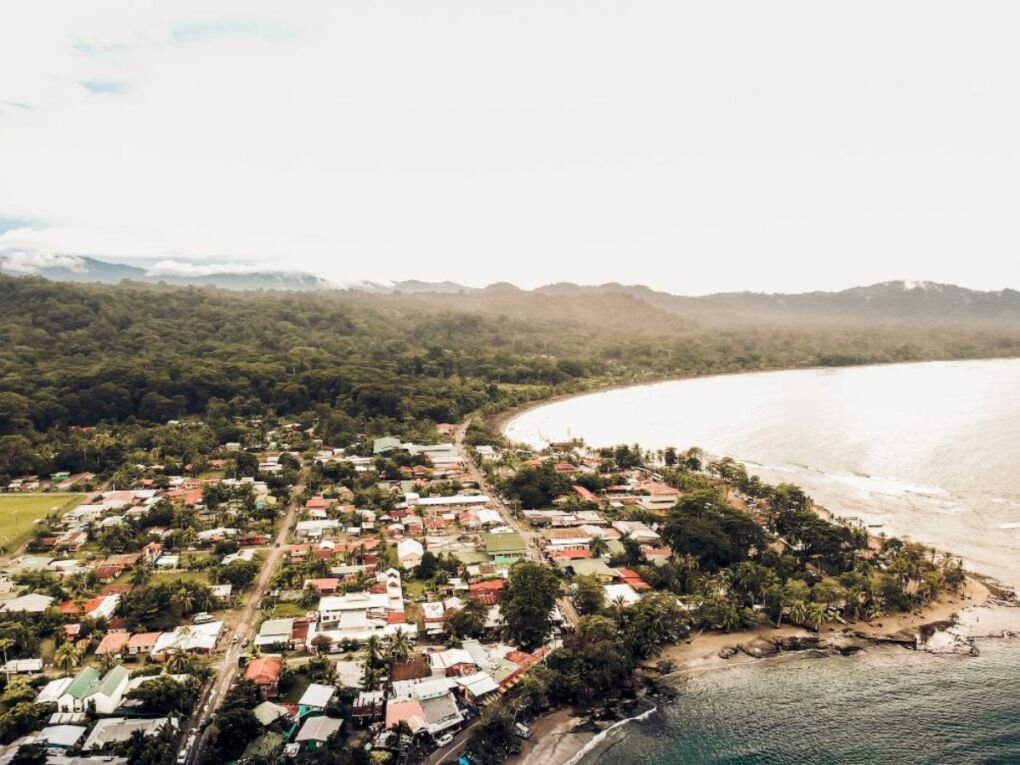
{"x": 695, "y": 147}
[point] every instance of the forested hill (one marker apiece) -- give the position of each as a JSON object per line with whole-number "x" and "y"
{"x": 81, "y": 354}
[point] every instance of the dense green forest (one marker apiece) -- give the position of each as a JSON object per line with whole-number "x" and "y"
{"x": 354, "y": 363}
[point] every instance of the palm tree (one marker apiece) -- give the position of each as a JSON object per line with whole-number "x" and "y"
{"x": 179, "y": 662}
{"x": 67, "y": 657}
{"x": 400, "y": 647}
{"x": 183, "y": 600}
{"x": 798, "y": 612}
{"x": 599, "y": 547}
{"x": 816, "y": 614}
{"x": 373, "y": 648}
{"x": 140, "y": 575}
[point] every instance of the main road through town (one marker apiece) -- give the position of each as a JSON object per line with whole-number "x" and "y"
{"x": 217, "y": 688}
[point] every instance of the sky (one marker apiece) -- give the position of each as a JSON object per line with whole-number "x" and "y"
{"x": 694, "y": 147}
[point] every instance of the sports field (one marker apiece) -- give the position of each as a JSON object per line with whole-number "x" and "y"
{"x": 18, "y": 513}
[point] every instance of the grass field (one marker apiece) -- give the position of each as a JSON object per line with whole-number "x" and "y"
{"x": 18, "y": 512}
{"x": 199, "y": 577}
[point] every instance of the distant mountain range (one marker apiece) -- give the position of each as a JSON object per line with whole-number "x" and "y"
{"x": 84, "y": 269}
{"x": 887, "y": 301}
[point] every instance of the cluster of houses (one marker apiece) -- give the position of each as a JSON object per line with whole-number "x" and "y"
{"x": 78, "y": 700}
{"x": 433, "y": 692}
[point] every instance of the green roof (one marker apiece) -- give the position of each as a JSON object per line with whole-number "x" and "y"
{"x": 82, "y": 683}
{"x": 587, "y": 566}
{"x": 386, "y": 444}
{"x": 502, "y": 544}
{"x": 108, "y": 685}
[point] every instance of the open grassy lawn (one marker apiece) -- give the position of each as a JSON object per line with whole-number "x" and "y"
{"x": 19, "y": 511}
{"x": 200, "y": 577}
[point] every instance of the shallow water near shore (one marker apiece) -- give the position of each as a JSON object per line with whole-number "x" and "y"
{"x": 884, "y": 706}
{"x": 930, "y": 450}
{"x": 927, "y": 451}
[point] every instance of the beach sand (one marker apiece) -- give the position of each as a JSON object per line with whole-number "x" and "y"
{"x": 555, "y": 742}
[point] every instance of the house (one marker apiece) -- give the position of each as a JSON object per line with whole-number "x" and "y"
{"x": 368, "y": 706}
{"x": 315, "y": 699}
{"x": 434, "y": 617}
{"x": 589, "y": 567}
{"x": 31, "y": 604}
{"x": 636, "y": 530}
{"x": 193, "y": 638}
{"x": 62, "y": 737}
{"x": 113, "y": 643}
{"x": 451, "y": 662}
{"x": 409, "y": 712}
{"x": 142, "y": 643}
{"x": 275, "y": 633}
{"x": 383, "y": 445}
{"x": 267, "y": 713}
{"x": 621, "y": 593}
{"x": 115, "y": 730}
{"x": 52, "y": 691}
{"x": 504, "y": 548}
{"x": 325, "y": 586}
{"x": 476, "y": 687}
{"x": 317, "y": 731}
{"x": 22, "y": 667}
{"x": 90, "y": 691}
{"x": 409, "y": 553}
{"x": 265, "y": 673}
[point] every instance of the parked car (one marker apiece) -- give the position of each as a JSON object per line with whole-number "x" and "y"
{"x": 203, "y": 618}
{"x": 445, "y": 740}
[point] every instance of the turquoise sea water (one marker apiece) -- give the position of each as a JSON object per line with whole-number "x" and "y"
{"x": 885, "y": 706}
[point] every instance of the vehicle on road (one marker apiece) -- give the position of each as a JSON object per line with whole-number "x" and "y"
{"x": 203, "y": 618}
{"x": 445, "y": 740}
{"x": 522, "y": 730}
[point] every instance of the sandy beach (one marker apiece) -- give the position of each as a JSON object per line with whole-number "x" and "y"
{"x": 555, "y": 740}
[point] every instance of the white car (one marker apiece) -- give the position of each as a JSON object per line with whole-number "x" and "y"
{"x": 445, "y": 740}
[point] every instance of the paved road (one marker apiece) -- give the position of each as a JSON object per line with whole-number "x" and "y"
{"x": 217, "y": 688}
{"x": 531, "y": 537}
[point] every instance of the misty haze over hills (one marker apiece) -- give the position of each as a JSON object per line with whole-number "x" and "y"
{"x": 895, "y": 300}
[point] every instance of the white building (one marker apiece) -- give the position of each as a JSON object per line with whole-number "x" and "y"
{"x": 409, "y": 552}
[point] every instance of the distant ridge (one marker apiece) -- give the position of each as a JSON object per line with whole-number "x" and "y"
{"x": 886, "y": 301}
{"x": 86, "y": 269}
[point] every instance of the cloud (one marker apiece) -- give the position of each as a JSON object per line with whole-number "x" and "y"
{"x": 186, "y": 268}
{"x": 20, "y": 262}
{"x": 690, "y": 146}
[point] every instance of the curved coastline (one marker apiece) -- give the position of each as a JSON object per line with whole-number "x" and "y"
{"x": 948, "y": 626}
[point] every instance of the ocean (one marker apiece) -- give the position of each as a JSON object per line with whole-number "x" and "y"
{"x": 926, "y": 451}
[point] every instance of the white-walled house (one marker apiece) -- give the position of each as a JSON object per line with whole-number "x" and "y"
{"x": 409, "y": 552}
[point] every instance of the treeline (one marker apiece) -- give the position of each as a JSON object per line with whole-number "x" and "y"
{"x": 85, "y": 355}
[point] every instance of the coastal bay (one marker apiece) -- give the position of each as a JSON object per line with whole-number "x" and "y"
{"x": 918, "y": 467}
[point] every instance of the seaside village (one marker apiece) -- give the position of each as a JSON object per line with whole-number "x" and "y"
{"x": 126, "y": 601}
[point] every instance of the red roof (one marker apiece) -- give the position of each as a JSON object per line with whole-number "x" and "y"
{"x": 143, "y": 640}
{"x": 94, "y": 603}
{"x": 627, "y": 576}
{"x": 319, "y": 503}
{"x": 265, "y": 670}
{"x": 489, "y": 585}
{"x": 564, "y": 467}
{"x": 571, "y": 554}
{"x": 112, "y": 642}
{"x": 69, "y": 608}
{"x": 584, "y": 494}
{"x": 396, "y": 617}
{"x": 324, "y": 584}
